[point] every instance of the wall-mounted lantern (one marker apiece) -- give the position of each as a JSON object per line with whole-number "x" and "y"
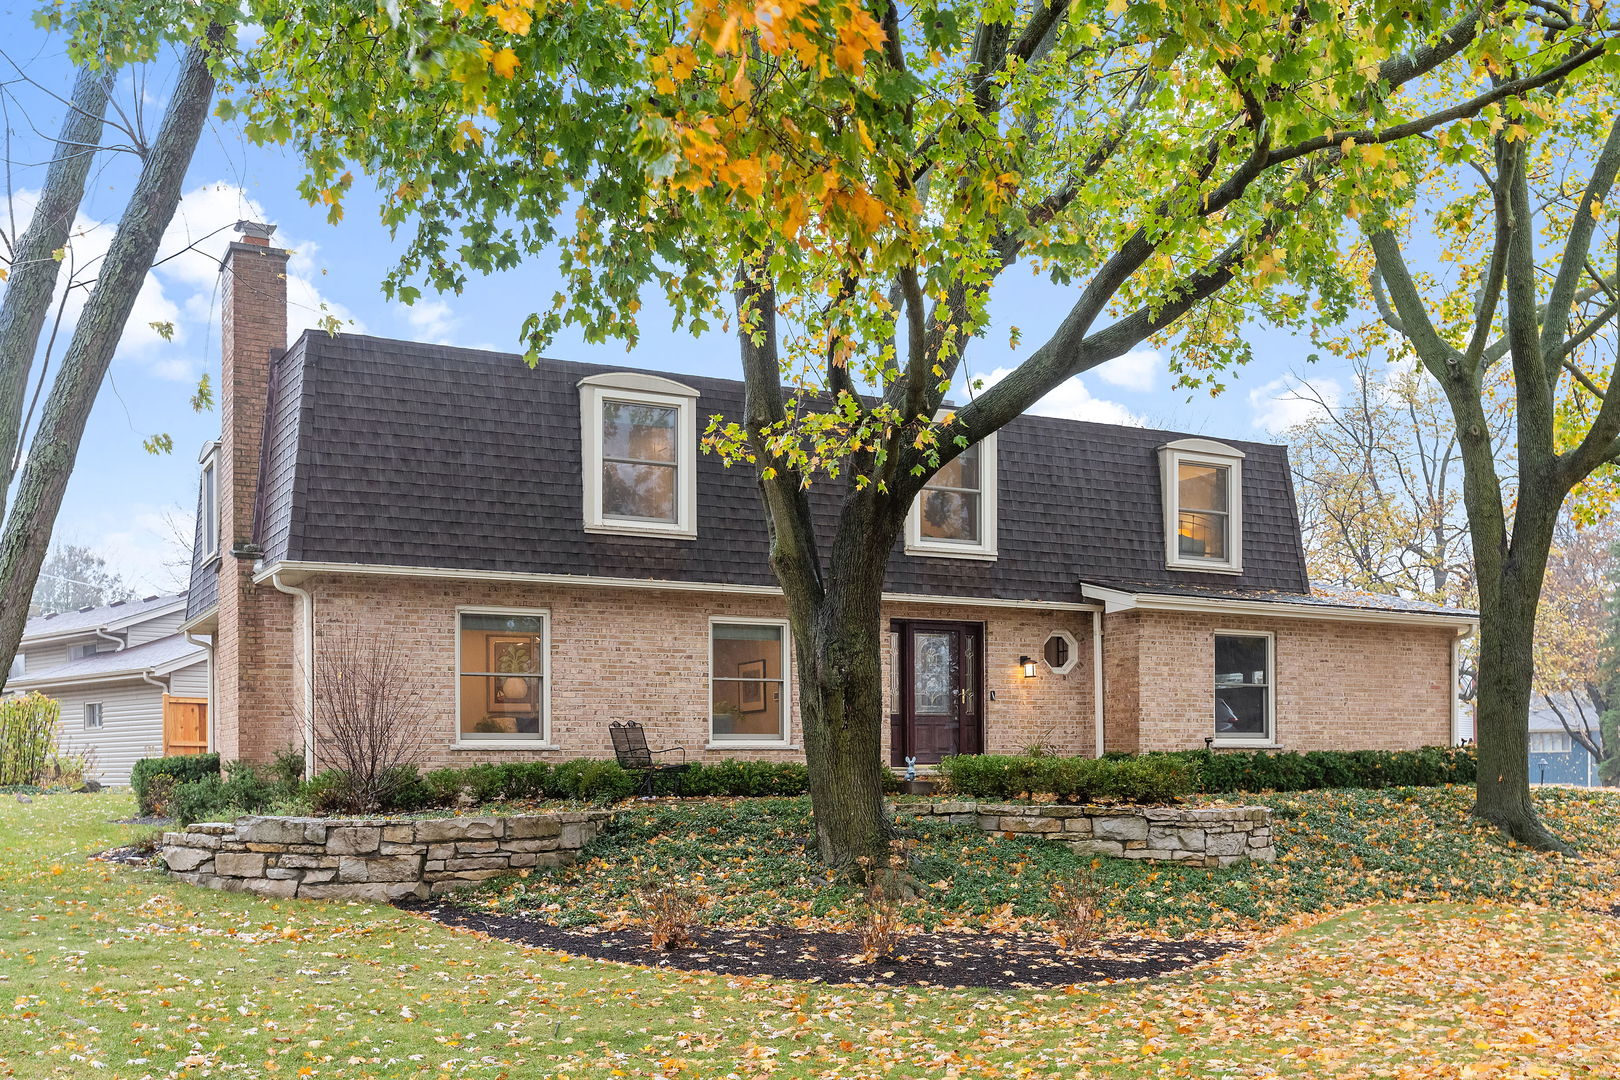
{"x": 1028, "y": 664}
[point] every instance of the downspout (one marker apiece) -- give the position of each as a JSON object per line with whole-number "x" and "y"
{"x": 306, "y": 605}
{"x": 1456, "y": 690}
{"x": 146, "y": 676}
{"x": 122, "y": 643}
{"x": 208, "y": 647}
{"x": 1097, "y": 676}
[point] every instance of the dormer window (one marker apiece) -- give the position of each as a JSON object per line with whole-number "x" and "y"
{"x": 1203, "y": 505}
{"x": 638, "y": 443}
{"x": 955, "y": 513}
{"x": 208, "y": 501}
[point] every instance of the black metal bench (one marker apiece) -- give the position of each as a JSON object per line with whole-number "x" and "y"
{"x": 634, "y": 755}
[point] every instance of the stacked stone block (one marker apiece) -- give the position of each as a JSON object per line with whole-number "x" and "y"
{"x": 1196, "y": 835}
{"x": 380, "y": 859}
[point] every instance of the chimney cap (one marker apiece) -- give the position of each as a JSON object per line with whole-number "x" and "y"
{"x": 255, "y": 230}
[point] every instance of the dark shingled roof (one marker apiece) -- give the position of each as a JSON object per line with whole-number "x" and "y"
{"x": 408, "y": 454}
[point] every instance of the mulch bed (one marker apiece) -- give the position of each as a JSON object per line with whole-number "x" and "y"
{"x": 928, "y": 959}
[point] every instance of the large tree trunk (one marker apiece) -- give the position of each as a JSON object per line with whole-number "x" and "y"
{"x": 841, "y": 706}
{"x": 34, "y": 263}
{"x": 27, "y": 531}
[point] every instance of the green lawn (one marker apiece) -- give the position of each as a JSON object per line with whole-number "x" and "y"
{"x": 119, "y": 973}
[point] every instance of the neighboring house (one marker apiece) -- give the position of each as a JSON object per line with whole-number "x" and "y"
{"x": 130, "y": 683}
{"x": 547, "y": 550}
{"x": 1555, "y": 756}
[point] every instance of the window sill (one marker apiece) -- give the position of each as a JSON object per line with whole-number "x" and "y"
{"x": 1245, "y": 744}
{"x": 928, "y": 552}
{"x": 751, "y": 746}
{"x": 1199, "y": 568}
{"x": 503, "y": 744}
{"x": 603, "y": 529}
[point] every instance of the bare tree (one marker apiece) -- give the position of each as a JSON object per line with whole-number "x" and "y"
{"x": 367, "y": 708}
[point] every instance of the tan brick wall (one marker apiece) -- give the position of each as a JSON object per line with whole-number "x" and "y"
{"x": 1122, "y": 632}
{"x": 1338, "y": 685}
{"x": 623, "y": 654}
{"x": 255, "y": 688}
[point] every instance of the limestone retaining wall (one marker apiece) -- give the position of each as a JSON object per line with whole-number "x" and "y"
{"x": 1197, "y": 835}
{"x": 372, "y": 858}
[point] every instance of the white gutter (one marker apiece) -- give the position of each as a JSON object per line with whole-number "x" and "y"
{"x": 288, "y": 568}
{"x": 122, "y": 643}
{"x": 1118, "y": 600}
{"x": 208, "y": 649}
{"x": 307, "y": 631}
{"x": 146, "y": 676}
{"x": 1097, "y": 676}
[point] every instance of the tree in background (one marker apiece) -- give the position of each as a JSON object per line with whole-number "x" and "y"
{"x": 46, "y": 459}
{"x": 74, "y": 576}
{"x": 1573, "y": 625}
{"x": 844, "y": 183}
{"x": 1522, "y": 278}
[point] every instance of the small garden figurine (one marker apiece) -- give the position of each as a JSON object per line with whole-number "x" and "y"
{"x": 911, "y": 769}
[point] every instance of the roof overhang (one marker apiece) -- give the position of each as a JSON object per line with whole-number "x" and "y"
{"x": 295, "y": 572}
{"x": 46, "y": 678}
{"x": 204, "y": 622}
{"x": 1121, "y": 600}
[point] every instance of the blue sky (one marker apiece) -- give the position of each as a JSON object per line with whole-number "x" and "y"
{"x": 122, "y": 500}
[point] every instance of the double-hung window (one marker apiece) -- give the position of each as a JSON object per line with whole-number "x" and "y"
{"x": 1244, "y": 692}
{"x": 955, "y": 514}
{"x": 1203, "y": 505}
{"x": 208, "y": 502}
{"x": 638, "y": 443}
{"x": 504, "y": 685}
{"x": 748, "y": 682}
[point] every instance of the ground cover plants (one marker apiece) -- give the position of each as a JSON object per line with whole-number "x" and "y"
{"x": 121, "y": 973}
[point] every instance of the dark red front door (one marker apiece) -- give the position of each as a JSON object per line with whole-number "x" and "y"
{"x": 940, "y": 707}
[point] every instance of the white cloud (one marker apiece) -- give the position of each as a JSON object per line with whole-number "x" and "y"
{"x": 144, "y": 544}
{"x": 430, "y": 320}
{"x": 1071, "y": 401}
{"x": 1139, "y": 369}
{"x": 1287, "y": 402}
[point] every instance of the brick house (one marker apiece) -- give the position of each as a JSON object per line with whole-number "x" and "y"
{"x": 551, "y": 551}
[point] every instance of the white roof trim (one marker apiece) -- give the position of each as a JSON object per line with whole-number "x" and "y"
{"x": 636, "y": 380}
{"x": 290, "y": 570}
{"x": 1114, "y": 600}
{"x": 1204, "y": 446}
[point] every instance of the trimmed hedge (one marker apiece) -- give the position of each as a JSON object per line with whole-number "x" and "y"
{"x": 1149, "y": 779}
{"x": 604, "y": 781}
{"x": 184, "y": 769}
{"x": 1232, "y": 770}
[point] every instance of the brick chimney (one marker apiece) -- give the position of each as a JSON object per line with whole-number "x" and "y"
{"x": 254, "y": 650}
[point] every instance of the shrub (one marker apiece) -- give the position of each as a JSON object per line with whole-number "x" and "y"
{"x": 1233, "y": 771}
{"x": 525, "y": 779}
{"x": 736, "y": 778}
{"x": 366, "y": 704}
{"x": 242, "y": 790}
{"x": 401, "y": 789}
{"x": 183, "y": 770}
{"x": 591, "y": 781}
{"x": 27, "y": 736}
{"x": 444, "y": 786}
{"x": 1153, "y": 779}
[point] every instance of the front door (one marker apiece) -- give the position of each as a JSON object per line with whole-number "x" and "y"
{"x": 939, "y": 702}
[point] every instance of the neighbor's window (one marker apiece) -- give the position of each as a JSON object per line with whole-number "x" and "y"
{"x": 208, "y": 507}
{"x": 955, "y": 514}
{"x": 503, "y": 687}
{"x": 19, "y": 666}
{"x": 1550, "y": 742}
{"x": 1203, "y": 505}
{"x": 638, "y": 450}
{"x": 92, "y": 715}
{"x": 748, "y": 682}
{"x": 1243, "y": 688}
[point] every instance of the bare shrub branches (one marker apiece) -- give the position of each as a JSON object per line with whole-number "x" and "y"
{"x": 367, "y": 716}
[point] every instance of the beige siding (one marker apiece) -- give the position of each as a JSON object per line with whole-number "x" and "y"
{"x": 191, "y": 681}
{"x": 132, "y": 726}
{"x": 152, "y": 629}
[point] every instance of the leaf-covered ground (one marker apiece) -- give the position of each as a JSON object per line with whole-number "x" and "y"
{"x": 107, "y": 971}
{"x": 1335, "y": 849}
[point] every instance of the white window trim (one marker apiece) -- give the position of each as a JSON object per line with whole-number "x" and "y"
{"x": 1269, "y": 739}
{"x": 209, "y": 506}
{"x": 1202, "y": 452}
{"x": 101, "y": 716}
{"x": 989, "y": 511}
{"x": 639, "y": 389}
{"x": 543, "y": 740}
{"x": 1074, "y": 651}
{"x": 786, "y": 741}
